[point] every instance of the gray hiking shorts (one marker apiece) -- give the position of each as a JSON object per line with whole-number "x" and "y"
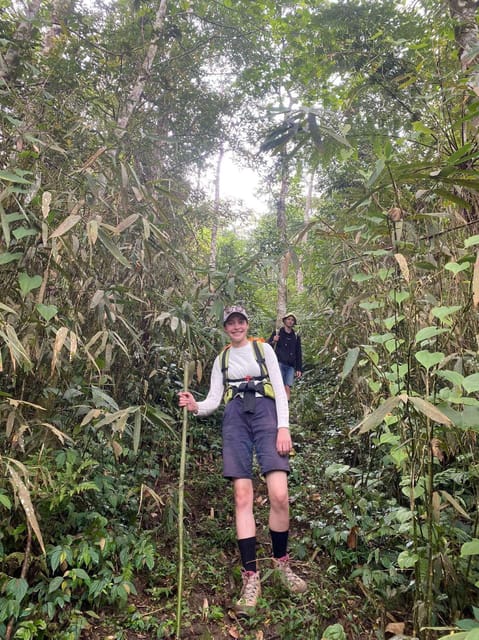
{"x": 246, "y": 433}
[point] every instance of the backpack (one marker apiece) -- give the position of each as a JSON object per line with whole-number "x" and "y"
{"x": 264, "y": 387}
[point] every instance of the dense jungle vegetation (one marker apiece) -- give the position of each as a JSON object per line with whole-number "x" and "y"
{"x": 118, "y": 252}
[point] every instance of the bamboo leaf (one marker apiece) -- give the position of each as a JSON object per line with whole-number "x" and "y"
{"x": 57, "y": 347}
{"x": 66, "y": 225}
{"x": 475, "y": 282}
{"x": 127, "y": 222}
{"x": 376, "y": 417}
{"x": 452, "y": 501}
{"x": 26, "y": 502}
{"x": 351, "y": 359}
{"x": 403, "y": 265}
{"x": 112, "y": 248}
{"x": 137, "y": 431}
{"x": 428, "y": 409}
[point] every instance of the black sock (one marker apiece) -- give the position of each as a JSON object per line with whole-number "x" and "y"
{"x": 247, "y": 548}
{"x": 279, "y": 540}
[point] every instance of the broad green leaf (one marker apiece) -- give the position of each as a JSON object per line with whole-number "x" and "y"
{"x": 393, "y": 344}
{"x": 407, "y": 559}
{"x": 370, "y": 306}
{"x": 399, "y": 296}
{"x": 451, "y": 376}
{"x": 429, "y": 359}
{"x": 5, "y": 501}
{"x": 456, "y": 267}
{"x": 381, "y": 338}
{"x": 471, "y": 241}
{"x": 47, "y": 311}
{"x": 428, "y": 332}
{"x": 336, "y": 469}
{"x": 470, "y": 548}
{"x": 444, "y": 312}
{"x": 17, "y": 587}
{"x": 471, "y": 383}
{"x": 392, "y": 321}
{"x": 28, "y": 283}
{"x": 428, "y": 409}
{"x": 5, "y": 258}
{"x": 334, "y": 632}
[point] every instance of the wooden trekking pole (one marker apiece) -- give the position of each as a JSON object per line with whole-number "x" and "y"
{"x": 181, "y": 498}
{"x": 276, "y": 343}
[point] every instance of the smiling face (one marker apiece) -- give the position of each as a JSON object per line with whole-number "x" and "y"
{"x": 236, "y": 328}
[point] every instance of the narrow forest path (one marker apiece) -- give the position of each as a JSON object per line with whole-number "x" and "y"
{"x": 322, "y": 552}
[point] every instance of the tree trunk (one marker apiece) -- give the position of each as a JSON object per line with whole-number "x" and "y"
{"x": 9, "y": 63}
{"x": 281, "y": 224}
{"x": 216, "y": 211}
{"x": 306, "y": 219}
{"x": 134, "y": 96}
{"x": 464, "y": 13}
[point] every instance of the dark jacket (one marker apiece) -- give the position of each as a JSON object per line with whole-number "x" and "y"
{"x": 288, "y": 349}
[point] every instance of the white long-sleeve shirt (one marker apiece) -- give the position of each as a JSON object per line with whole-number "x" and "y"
{"x": 241, "y": 364}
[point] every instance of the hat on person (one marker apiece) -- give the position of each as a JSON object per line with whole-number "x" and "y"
{"x": 290, "y": 315}
{"x": 230, "y": 311}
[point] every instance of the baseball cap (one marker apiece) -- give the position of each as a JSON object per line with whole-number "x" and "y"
{"x": 229, "y": 311}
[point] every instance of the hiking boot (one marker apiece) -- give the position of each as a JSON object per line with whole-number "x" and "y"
{"x": 250, "y": 592}
{"x": 289, "y": 579}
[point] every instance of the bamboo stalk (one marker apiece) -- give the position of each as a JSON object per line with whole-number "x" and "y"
{"x": 181, "y": 493}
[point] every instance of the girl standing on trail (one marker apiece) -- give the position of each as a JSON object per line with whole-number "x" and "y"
{"x": 247, "y": 376}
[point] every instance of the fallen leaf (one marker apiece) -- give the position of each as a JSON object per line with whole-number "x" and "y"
{"x": 352, "y": 539}
{"x": 233, "y": 632}
{"x": 395, "y": 627}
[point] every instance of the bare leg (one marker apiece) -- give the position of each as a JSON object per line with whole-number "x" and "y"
{"x": 288, "y": 391}
{"x": 243, "y": 497}
{"x": 277, "y": 483}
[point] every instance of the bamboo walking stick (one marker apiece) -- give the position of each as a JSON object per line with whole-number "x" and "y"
{"x": 181, "y": 493}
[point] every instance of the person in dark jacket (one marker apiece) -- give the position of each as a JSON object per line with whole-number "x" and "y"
{"x": 287, "y": 345}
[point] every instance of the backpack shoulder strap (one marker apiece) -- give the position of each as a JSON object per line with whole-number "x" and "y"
{"x": 259, "y": 355}
{"x": 224, "y": 359}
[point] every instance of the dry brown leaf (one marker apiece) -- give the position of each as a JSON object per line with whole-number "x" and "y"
{"x": 395, "y": 627}
{"x": 436, "y": 449}
{"x": 403, "y": 266}
{"x": 352, "y": 539}
{"x": 233, "y": 632}
{"x": 59, "y": 342}
{"x": 205, "y": 609}
{"x": 24, "y": 495}
{"x": 475, "y": 282}
{"x": 395, "y": 214}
